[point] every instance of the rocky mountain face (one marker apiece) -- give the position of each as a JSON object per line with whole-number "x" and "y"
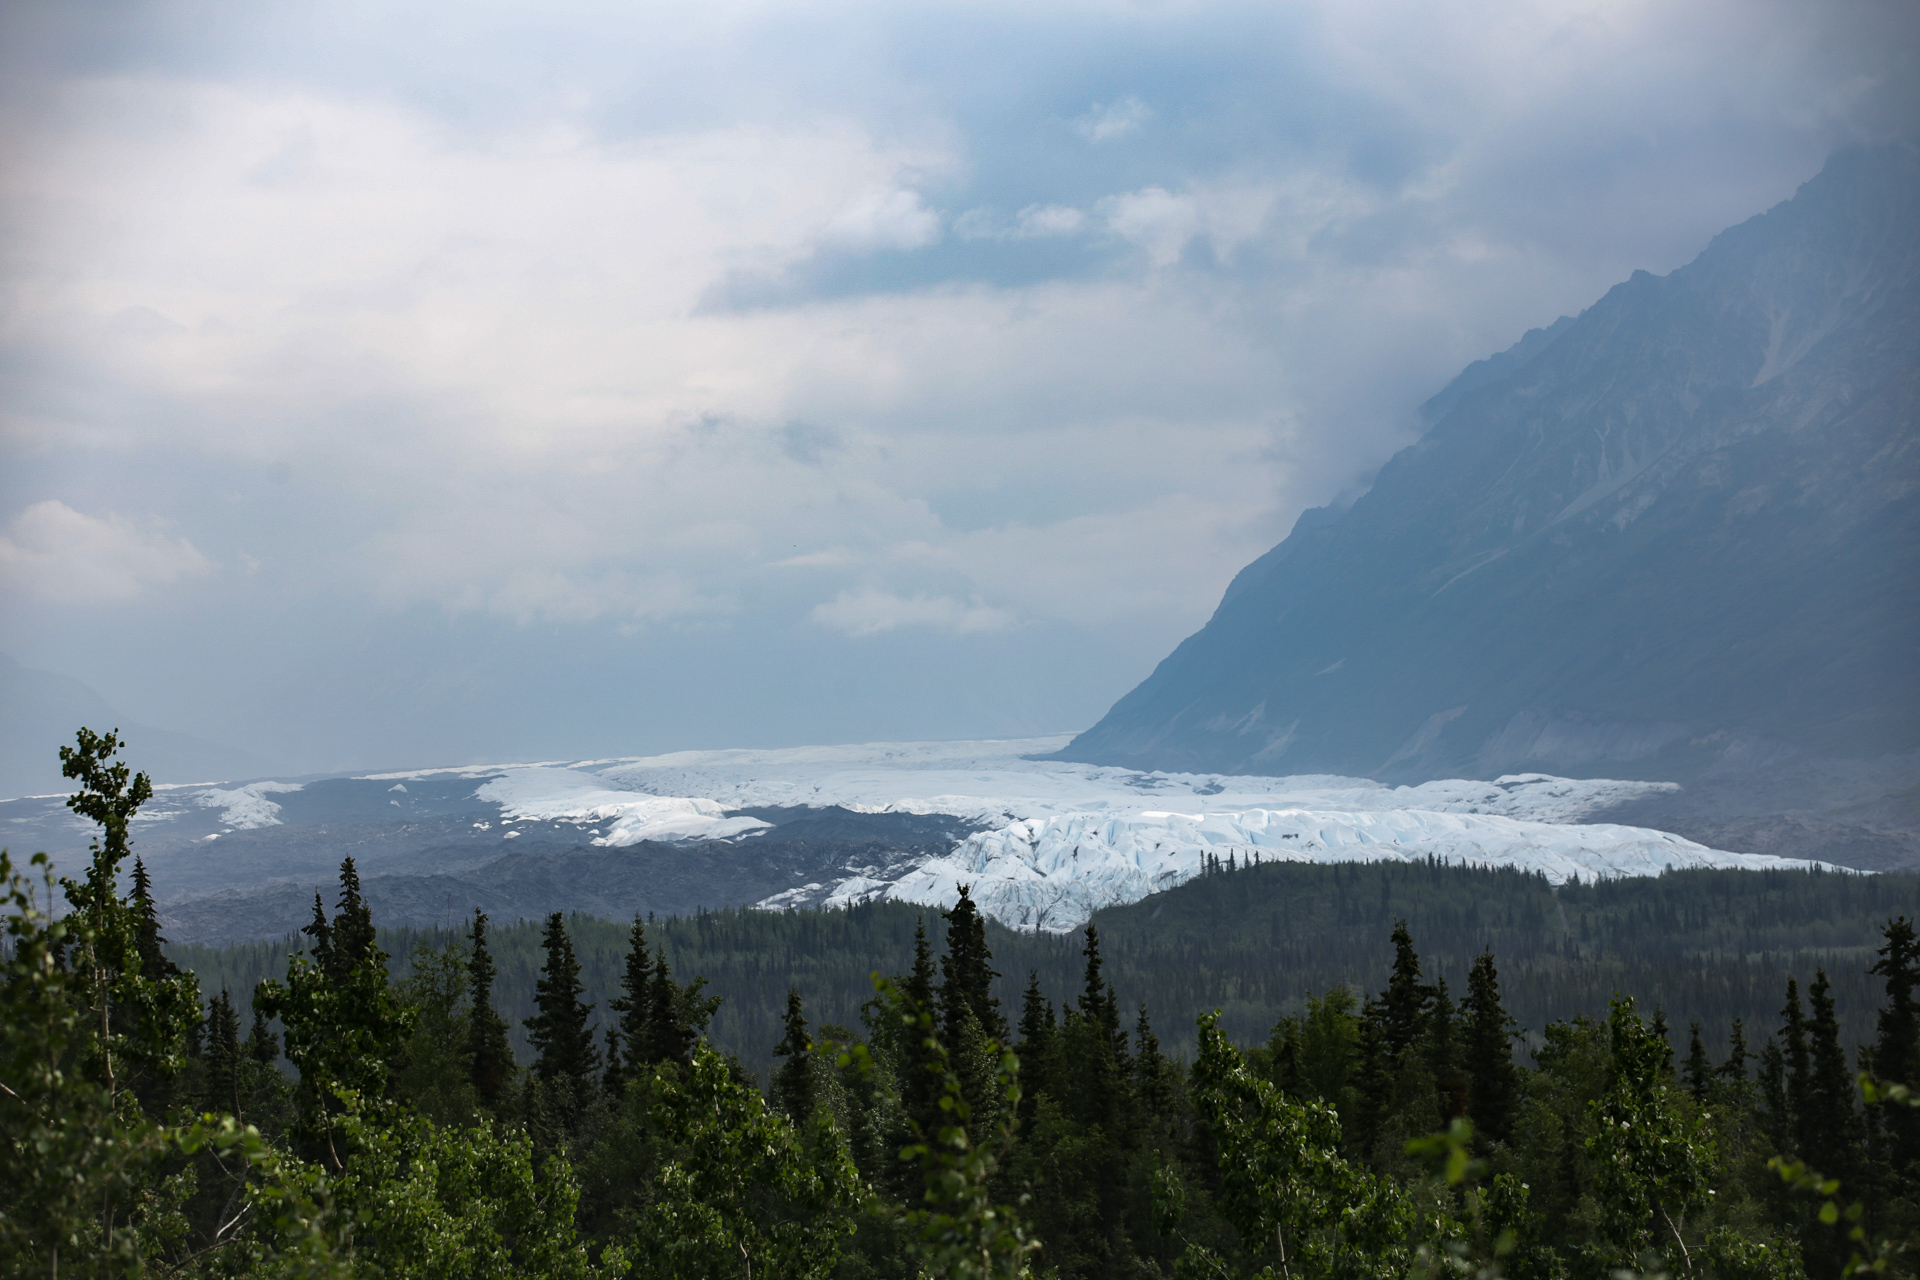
{"x": 1675, "y": 536}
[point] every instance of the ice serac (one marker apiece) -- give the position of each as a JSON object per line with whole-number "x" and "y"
{"x": 1674, "y": 533}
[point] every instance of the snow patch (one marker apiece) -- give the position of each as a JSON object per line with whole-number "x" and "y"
{"x": 584, "y": 799}
{"x": 246, "y": 807}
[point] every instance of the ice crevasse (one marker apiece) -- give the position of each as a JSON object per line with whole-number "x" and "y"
{"x": 1052, "y": 873}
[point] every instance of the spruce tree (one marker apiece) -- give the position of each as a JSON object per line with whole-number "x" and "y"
{"x": 635, "y": 1003}
{"x": 967, "y": 976}
{"x": 1799, "y": 1071}
{"x": 320, "y": 935}
{"x": 559, "y": 1032}
{"x": 1036, "y": 1019}
{"x": 1403, "y": 1006}
{"x": 223, "y": 1055}
{"x": 614, "y": 1055}
{"x": 344, "y": 1026}
{"x": 1772, "y": 1079}
{"x": 1663, "y": 1037}
{"x": 489, "y": 1054}
{"x": 1098, "y": 1004}
{"x": 1487, "y": 1041}
{"x": 1450, "y": 1084}
{"x": 147, "y": 939}
{"x": 792, "y": 1085}
{"x": 920, "y": 1085}
{"x": 263, "y": 1047}
{"x": 1152, "y": 1073}
{"x": 1896, "y": 1047}
{"x": 1735, "y": 1067}
{"x": 1830, "y": 1128}
{"x": 353, "y": 933}
{"x": 1095, "y": 1070}
{"x": 1699, "y": 1070}
{"x": 677, "y": 1014}
{"x": 1037, "y": 1037}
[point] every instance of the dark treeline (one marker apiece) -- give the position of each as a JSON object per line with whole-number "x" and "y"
{"x": 358, "y": 1119}
{"x": 1703, "y": 946}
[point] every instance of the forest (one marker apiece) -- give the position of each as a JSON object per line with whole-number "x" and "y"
{"x": 944, "y": 1098}
{"x": 1251, "y": 942}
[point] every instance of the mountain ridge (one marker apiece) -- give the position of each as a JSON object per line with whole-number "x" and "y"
{"x": 1674, "y": 534}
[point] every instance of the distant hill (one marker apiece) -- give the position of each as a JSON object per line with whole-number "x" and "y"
{"x": 1679, "y": 532}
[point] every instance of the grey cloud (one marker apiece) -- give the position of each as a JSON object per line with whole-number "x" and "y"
{"x": 584, "y": 380}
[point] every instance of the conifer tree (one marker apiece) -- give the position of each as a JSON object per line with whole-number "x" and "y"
{"x": 1664, "y": 1034}
{"x": 1830, "y": 1128}
{"x": 344, "y": 1027}
{"x": 792, "y": 1085}
{"x": 153, "y": 961}
{"x": 1896, "y": 1047}
{"x": 1403, "y": 1006}
{"x": 1772, "y": 1079}
{"x": 223, "y": 1055}
{"x": 559, "y": 1032}
{"x": 1038, "y": 1032}
{"x": 353, "y": 933}
{"x": 1098, "y": 1003}
{"x": 1699, "y": 1071}
{"x": 615, "y": 1058}
{"x": 920, "y": 1079}
{"x": 967, "y": 976}
{"x": 670, "y": 1034}
{"x": 635, "y": 1003}
{"x": 1036, "y": 1019}
{"x": 320, "y": 935}
{"x": 1735, "y": 1067}
{"x": 1442, "y": 1054}
{"x": 489, "y": 1054}
{"x": 1799, "y": 1070}
{"x": 1152, "y": 1073}
{"x": 1487, "y": 1040}
{"x": 263, "y": 1047}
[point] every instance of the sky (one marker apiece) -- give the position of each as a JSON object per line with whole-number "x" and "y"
{"x": 386, "y": 385}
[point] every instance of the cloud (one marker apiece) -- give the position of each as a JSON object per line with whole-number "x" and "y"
{"x": 617, "y": 328}
{"x": 884, "y": 220}
{"x": 57, "y": 554}
{"x": 869, "y": 612}
{"x": 1113, "y": 121}
{"x": 1035, "y": 222}
{"x": 1049, "y": 220}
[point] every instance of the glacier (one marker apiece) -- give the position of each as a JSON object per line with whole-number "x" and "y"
{"x": 1059, "y": 840}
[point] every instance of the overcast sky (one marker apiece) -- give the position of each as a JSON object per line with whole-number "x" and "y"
{"x": 398, "y": 384}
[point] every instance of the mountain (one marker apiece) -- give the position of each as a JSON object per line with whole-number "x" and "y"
{"x": 39, "y": 710}
{"x": 1677, "y": 534}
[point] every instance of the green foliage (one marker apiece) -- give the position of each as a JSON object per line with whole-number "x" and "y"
{"x": 142, "y": 1008}
{"x": 1707, "y": 946}
{"x": 1296, "y": 1202}
{"x": 343, "y": 1026}
{"x": 962, "y": 1233}
{"x": 1390, "y": 1134}
{"x": 418, "y": 1199}
{"x": 746, "y": 1194}
{"x": 434, "y": 1069}
{"x": 1653, "y": 1164}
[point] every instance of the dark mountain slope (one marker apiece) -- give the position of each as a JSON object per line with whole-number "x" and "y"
{"x": 1677, "y": 532}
